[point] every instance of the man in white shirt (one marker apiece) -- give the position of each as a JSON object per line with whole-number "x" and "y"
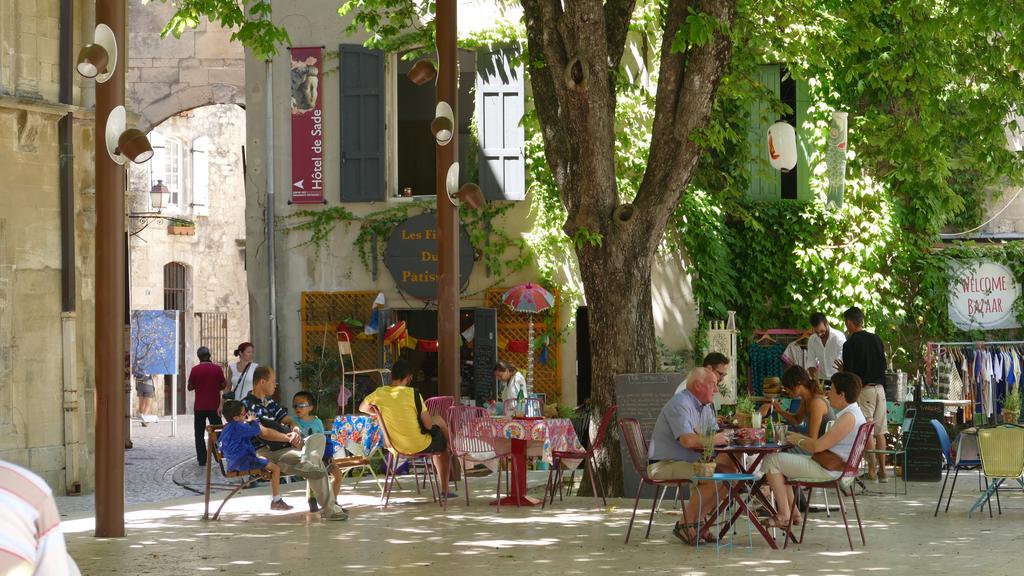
{"x": 824, "y": 348}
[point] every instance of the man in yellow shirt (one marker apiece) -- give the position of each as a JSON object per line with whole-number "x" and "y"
{"x": 410, "y": 427}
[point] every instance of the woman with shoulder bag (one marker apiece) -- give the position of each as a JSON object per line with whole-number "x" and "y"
{"x": 241, "y": 372}
{"x": 827, "y": 454}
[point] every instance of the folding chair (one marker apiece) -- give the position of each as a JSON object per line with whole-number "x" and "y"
{"x": 850, "y": 471}
{"x": 637, "y": 444}
{"x": 214, "y": 455}
{"x": 589, "y": 462}
{"x": 349, "y": 371}
{"x": 956, "y": 465}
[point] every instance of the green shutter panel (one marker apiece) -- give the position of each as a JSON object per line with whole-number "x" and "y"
{"x": 765, "y": 182}
{"x": 362, "y": 124}
{"x": 803, "y": 140}
{"x": 499, "y": 113}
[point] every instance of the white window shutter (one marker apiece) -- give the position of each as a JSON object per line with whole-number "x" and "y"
{"x": 157, "y": 164}
{"x": 200, "y": 176}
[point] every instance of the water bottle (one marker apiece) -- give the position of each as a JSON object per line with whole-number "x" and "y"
{"x": 520, "y": 403}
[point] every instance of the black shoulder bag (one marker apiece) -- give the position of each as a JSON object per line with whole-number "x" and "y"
{"x": 419, "y": 410}
{"x": 230, "y": 395}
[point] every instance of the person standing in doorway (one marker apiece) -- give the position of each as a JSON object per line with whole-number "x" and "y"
{"x": 823, "y": 349}
{"x": 864, "y": 355}
{"x": 241, "y": 372}
{"x": 207, "y": 380}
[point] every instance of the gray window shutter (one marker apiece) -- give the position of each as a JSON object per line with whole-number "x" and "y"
{"x": 765, "y": 181}
{"x": 499, "y": 112}
{"x": 362, "y": 124}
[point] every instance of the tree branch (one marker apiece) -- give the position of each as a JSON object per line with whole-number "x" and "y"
{"x": 617, "y": 15}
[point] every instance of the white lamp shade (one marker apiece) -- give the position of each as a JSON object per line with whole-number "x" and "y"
{"x": 117, "y": 122}
{"x": 104, "y": 37}
{"x": 782, "y": 146}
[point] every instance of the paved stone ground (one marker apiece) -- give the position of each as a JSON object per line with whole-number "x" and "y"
{"x": 157, "y": 468}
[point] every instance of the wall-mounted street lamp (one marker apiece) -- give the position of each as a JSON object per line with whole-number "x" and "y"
{"x": 125, "y": 143}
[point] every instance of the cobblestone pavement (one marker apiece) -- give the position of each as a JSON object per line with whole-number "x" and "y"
{"x": 158, "y": 467}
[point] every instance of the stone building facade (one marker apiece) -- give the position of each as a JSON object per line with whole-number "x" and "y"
{"x": 47, "y": 219}
{"x": 198, "y": 269}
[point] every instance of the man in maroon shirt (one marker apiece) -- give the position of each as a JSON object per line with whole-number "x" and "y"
{"x": 207, "y": 379}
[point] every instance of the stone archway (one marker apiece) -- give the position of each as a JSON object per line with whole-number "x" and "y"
{"x": 166, "y": 76}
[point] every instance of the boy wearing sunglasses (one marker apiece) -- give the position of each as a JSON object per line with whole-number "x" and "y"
{"x": 304, "y": 403}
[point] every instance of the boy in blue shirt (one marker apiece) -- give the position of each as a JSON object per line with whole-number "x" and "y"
{"x": 304, "y": 404}
{"x": 237, "y": 447}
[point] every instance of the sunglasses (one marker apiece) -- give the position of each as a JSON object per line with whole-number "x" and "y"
{"x": 303, "y": 405}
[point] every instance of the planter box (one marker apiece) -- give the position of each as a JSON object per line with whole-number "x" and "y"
{"x": 181, "y": 230}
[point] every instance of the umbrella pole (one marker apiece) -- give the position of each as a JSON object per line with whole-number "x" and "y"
{"x": 529, "y": 360}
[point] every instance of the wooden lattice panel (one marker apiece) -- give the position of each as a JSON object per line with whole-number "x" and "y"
{"x": 323, "y": 311}
{"x": 514, "y": 325}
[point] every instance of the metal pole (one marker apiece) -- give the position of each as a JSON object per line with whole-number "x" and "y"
{"x": 110, "y": 294}
{"x": 447, "y": 215}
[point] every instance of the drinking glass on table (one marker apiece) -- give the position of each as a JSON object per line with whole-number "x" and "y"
{"x": 780, "y": 432}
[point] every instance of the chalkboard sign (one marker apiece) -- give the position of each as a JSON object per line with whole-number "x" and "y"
{"x": 485, "y": 353}
{"x": 924, "y": 454}
{"x": 642, "y": 396}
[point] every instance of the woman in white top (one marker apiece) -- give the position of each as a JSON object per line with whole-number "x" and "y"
{"x": 838, "y": 440}
{"x": 241, "y": 371}
{"x": 510, "y": 380}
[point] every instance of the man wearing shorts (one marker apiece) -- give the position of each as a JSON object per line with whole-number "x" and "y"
{"x": 676, "y": 446}
{"x": 864, "y": 355}
{"x": 410, "y": 427}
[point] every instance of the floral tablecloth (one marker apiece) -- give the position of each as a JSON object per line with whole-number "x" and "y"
{"x": 542, "y": 436}
{"x": 360, "y": 435}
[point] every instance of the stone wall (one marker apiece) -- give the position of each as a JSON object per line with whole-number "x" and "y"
{"x": 170, "y": 75}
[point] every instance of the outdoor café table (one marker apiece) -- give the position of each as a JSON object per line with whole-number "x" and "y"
{"x": 534, "y": 437}
{"x": 736, "y": 489}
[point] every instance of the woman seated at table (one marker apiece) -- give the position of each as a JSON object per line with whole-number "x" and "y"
{"x": 814, "y": 413}
{"x": 828, "y": 453}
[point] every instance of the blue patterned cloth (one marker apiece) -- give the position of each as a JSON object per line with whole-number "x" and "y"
{"x": 765, "y": 361}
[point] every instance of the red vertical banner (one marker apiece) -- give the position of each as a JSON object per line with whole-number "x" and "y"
{"x": 307, "y": 126}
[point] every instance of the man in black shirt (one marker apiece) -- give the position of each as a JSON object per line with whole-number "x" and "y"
{"x": 864, "y": 355}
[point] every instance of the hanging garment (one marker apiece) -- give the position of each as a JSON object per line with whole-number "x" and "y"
{"x": 765, "y": 361}
{"x": 795, "y": 354}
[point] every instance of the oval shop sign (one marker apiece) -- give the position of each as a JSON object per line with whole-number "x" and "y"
{"x": 411, "y": 256}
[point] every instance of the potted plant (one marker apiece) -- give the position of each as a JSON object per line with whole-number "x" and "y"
{"x": 744, "y": 408}
{"x": 178, "y": 227}
{"x": 1011, "y": 406}
{"x": 321, "y": 375}
{"x": 707, "y": 429}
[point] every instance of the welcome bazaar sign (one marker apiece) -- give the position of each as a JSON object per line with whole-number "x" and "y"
{"x": 982, "y": 296}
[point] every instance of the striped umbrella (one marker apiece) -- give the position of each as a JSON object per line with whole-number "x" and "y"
{"x": 532, "y": 299}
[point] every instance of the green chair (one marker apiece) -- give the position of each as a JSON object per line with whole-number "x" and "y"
{"x": 1002, "y": 459}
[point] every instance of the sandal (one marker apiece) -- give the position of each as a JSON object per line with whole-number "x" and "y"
{"x": 776, "y": 523}
{"x": 687, "y": 534}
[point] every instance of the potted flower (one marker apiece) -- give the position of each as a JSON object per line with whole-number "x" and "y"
{"x": 744, "y": 408}
{"x": 1011, "y": 406}
{"x": 178, "y": 227}
{"x": 706, "y": 431}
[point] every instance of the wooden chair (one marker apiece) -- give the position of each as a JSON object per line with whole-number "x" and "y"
{"x": 214, "y": 454}
{"x": 349, "y": 370}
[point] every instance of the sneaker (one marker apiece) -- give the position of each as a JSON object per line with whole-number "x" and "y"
{"x": 280, "y": 505}
{"x": 338, "y": 513}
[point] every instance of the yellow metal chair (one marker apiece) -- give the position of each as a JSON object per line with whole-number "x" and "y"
{"x": 1002, "y": 459}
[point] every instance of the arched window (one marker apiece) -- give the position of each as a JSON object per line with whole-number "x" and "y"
{"x": 167, "y": 165}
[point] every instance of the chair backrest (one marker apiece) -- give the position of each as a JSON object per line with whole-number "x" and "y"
{"x": 602, "y": 430}
{"x": 581, "y": 425}
{"x": 384, "y": 430}
{"x": 1002, "y": 451}
{"x": 860, "y": 442}
{"x": 633, "y": 435}
{"x": 213, "y": 446}
{"x": 439, "y": 405}
{"x": 533, "y": 407}
{"x": 472, "y": 431}
{"x": 345, "y": 351}
{"x": 944, "y": 442}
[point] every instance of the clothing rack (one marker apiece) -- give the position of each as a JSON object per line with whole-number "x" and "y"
{"x": 934, "y": 350}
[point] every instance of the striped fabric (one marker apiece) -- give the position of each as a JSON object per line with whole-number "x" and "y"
{"x": 31, "y": 541}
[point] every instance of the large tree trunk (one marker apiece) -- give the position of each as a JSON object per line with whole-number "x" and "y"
{"x": 574, "y": 53}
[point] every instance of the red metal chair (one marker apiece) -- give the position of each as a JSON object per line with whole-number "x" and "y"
{"x": 439, "y": 492}
{"x": 474, "y": 439}
{"x": 638, "y": 446}
{"x": 532, "y": 407}
{"x": 851, "y": 471}
{"x": 438, "y": 407}
{"x": 589, "y": 462}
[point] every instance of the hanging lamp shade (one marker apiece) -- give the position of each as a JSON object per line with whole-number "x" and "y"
{"x": 782, "y": 146}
